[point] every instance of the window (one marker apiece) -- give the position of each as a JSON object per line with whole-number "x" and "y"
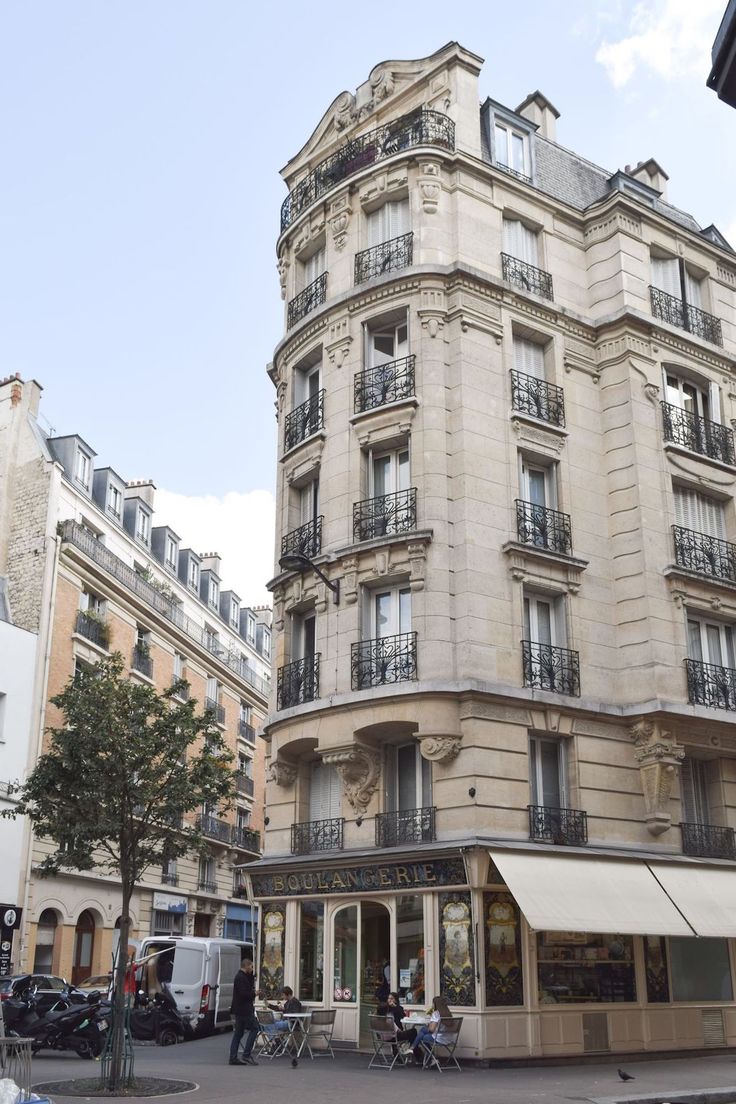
{"x": 520, "y": 242}
{"x": 307, "y": 384}
{"x": 511, "y": 149}
{"x": 91, "y": 603}
{"x": 586, "y": 968}
{"x": 700, "y": 969}
{"x": 143, "y": 526}
{"x": 234, "y": 612}
{"x": 546, "y": 773}
{"x": 386, "y": 344}
{"x": 529, "y": 357}
{"x": 305, "y": 635}
{"x": 408, "y": 778}
{"x": 538, "y": 484}
{"x": 388, "y": 473}
{"x": 543, "y": 620}
{"x": 311, "y": 951}
{"x": 313, "y": 267}
{"x": 207, "y": 875}
{"x": 389, "y": 612}
{"x": 168, "y": 871}
{"x": 710, "y": 642}
{"x": 114, "y": 501}
{"x": 242, "y": 818}
{"x": 214, "y": 592}
{"x": 389, "y": 221}
{"x": 167, "y": 923}
{"x": 702, "y": 401}
{"x": 193, "y": 578}
{"x": 346, "y": 953}
{"x": 82, "y": 469}
{"x": 245, "y": 765}
{"x": 699, "y": 512}
{"x": 266, "y": 644}
{"x": 245, "y": 712}
{"x": 251, "y": 629}
{"x": 673, "y": 277}
{"x": 211, "y": 639}
{"x": 325, "y": 792}
{"x": 694, "y": 791}
{"x": 213, "y": 690}
{"x": 308, "y": 506}
{"x": 172, "y": 551}
{"x": 410, "y": 948}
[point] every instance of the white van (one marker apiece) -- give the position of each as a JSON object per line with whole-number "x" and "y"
{"x": 199, "y": 974}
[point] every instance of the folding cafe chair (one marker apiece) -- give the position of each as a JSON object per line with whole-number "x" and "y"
{"x": 271, "y": 1044}
{"x": 386, "y": 1049}
{"x": 319, "y": 1029}
{"x": 439, "y": 1051}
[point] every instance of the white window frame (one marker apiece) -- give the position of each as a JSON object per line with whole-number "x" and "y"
{"x": 700, "y": 513}
{"x": 234, "y": 613}
{"x": 180, "y": 665}
{"x": 391, "y": 220}
{"x": 504, "y": 147}
{"x": 529, "y": 357}
{"x": 193, "y": 574}
{"x": 422, "y": 778}
{"x": 532, "y": 602}
{"x": 325, "y": 792}
{"x": 82, "y": 468}
{"x": 536, "y": 778}
{"x": 398, "y": 469}
{"x": 143, "y": 526}
{"x": 313, "y": 266}
{"x": 710, "y": 641}
{"x": 529, "y": 482}
{"x": 305, "y": 635}
{"x": 266, "y": 643}
{"x": 395, "y": 332}
{"x": 308, "y": 503}
{"x": 521, "y": 241}
{"x": 214, "y": 593}
{"x": 398, "y": 606}
{"x": 694, "y": 798}
{"x": 114, "y": 501}
{"x": 251, "y": 629}
{"x": 172, "y": 550}
{"x": 307, "y": 383}
{"x": 89, "y": 602}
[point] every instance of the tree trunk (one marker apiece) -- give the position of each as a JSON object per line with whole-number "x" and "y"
{"x": 115, "y": 1074}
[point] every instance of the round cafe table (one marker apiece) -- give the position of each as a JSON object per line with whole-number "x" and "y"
{"x": 415, "y": 1020}
{"x": 298, "y": 1028}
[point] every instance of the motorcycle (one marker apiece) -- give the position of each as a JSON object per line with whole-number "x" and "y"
{"x": 80, "y": 1027}
{"x": 157, "y": 1019}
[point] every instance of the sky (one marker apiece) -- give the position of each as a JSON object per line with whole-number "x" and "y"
{"x": 140, "y": 192}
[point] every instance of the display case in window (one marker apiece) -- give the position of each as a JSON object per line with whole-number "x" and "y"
{"x": 585, "y": 968}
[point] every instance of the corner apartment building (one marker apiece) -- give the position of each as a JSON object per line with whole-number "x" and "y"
{"x": 502, "y": 750}
{"x": 91, "y": 570}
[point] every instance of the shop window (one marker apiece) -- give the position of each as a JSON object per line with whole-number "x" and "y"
{"x": 585, "y": 968}
{"x": 410, "y": 948}
{"x": 311, "y": 951}
{"x": 235, "y": 929}
{"x": 167, "y": 923}
{"x": 655, "y": 965}
{"x": 700, "y": 969}
{"x": 346, "y": 953}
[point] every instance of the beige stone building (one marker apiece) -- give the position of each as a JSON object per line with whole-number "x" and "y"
{"x": 502, "y": 744}
{"x": 88, "y": 567}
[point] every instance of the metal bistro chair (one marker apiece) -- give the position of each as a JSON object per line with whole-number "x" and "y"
{"x": 271, "y": 1044}
{"x": 386, "y": 1048}
{"x": 320, "y": 1028}
{"x": 439, "y": 1052}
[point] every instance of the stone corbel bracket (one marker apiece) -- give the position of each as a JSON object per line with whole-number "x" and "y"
{"x": 433, "y": 310}
{"x": 430, "y": 188}
{"x": 339, "y": 341}
{"x": 359, "y": 768}
{"x": 340, "y": 212}
{"x": 440, "y": 748}
{"x": 391, "y": 180}
{"x": 658, "y": 756}
{"x": 282, "y": 772}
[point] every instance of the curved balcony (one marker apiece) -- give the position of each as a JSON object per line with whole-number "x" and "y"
{"x": 418, "y": 128}
{"x": 691, "y": 431}
{"x": 547, "y": 667}
{"x": 304, "y": 541}
{"x": 710, "y": 684}
{"x": 384, "y": 660}
{"x": 385, "y": 515}
{"x": 313, "y": 296}
{"x": 386, "y": 383}
{"x": 304, "y": 420}
{"x": 389, "y": 256}
{"x": 298, "y": 682}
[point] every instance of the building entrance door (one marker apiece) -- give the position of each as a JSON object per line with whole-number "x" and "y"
{"x": 375, "y": 961}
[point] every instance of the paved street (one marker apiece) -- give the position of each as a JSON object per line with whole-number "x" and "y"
{"x": 204, "y": 1062}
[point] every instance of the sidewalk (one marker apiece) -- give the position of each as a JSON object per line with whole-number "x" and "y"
{"x": 347, "y": 1077}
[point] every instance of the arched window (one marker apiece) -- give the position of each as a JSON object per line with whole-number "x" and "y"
{"x": 45, "y": 940}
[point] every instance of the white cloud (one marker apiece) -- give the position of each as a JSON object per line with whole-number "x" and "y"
{"x": 672, "y": 38}
{"x": 240, "y": 527}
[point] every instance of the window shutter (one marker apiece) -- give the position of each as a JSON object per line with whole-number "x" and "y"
{"x": 714, "y": 402}
{"x": 666, "y": 276}
{"x": 377, "y": 226}
{"x": 699, "y": 512}
{"x": 529, "y": 357}
{"x": 694, "y": 289}
{"x": 324, "y": 793}
{"x": 397, "y": 215}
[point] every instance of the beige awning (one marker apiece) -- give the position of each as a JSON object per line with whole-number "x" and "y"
{"x": 576, "y": 893}
{"x": 705, "y": 894}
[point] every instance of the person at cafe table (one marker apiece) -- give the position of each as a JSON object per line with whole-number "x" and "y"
{"x": 429, "y": 1032}
{"x": 290, "y": 1004}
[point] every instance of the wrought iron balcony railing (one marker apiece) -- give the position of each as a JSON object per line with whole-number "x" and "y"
{"x": 385, "y": 515}
{"x": 304, "y": 541}
{"x": 389, "y": 256}
{"x": 244, "y": 784}
{"x": 512, "y": 172}
{"x": 705, "y": 554}
{"x": 681, "y": 427}
{"x": 526, "y": 276}
{"x": 214, "y": 828}
{"x": 542, "y": 400}
{"x": 207, "y": 886}
{"x": 549, "y": 668}
{"x": 406, "y": 826}
{"x": 418, "y": 128}
{"x": 543, "y": 528}
{"x": 549, "y": 824}
{"x": 708, "y": 841}
{"x": 169, "y": 879}
{"x": 298, "y": 682}
{"x": 304, "y": 420}
{"x": 383, "y": 660}
{"x": 246, "y": 839}
{"x": 75, "y": 534}
{"x": 711, "y": 685}
{"x": 217, "y": 709}
{"x": 317, "y": 835}
{"x": 247, "y": 731}
{"x": 142, "y": 662}
{"x": 384, "y": 384}
{"x": 92, "y": 628}
{"x": 313, "y": 296}
{"x": 668, "y": 308}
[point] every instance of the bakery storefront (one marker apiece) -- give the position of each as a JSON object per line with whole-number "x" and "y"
{"x": 540, "y": 952}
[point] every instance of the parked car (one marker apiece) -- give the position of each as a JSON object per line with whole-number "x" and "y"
{"x": 48, "y": 990}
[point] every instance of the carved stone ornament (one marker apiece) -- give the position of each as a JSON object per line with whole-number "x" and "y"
{"x": 283, "y": 270}
{"x": 440, "y": 749}
{"x": 652, "y": 392}
{"x": 658, "y": 756}
{"x": 359, "y": 768}
{"x": 282, "y": 773}
{"x": 430, "y": 188}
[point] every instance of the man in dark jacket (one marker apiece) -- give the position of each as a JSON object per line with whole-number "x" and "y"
{"x": 243, "y": 1013}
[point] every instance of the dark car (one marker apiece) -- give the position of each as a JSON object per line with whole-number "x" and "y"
{"x": 48, "y": 989}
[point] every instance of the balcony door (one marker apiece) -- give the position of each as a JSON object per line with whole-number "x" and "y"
{"x": 386, "y": 345}
{"x": 307, "y": 384}
{"x": 325, "y": 792}
{"x": 390, "y": 612}
{"x": 700, "y": 513}
{"x": 305, "y": 636}
{"x": 543, "y": 621}
{"x": 538, "y": 484}
{"x": 710, "y": 642}
{"x": 309, "y": 502}
{"x": 546, "y": 772}
{"x": 686, "y": 396}
{"x": 408, "y": 778}
{"x": 529, "y": 357}
{"x": 389, "y": 221}
{"x": 389, "y": 473}
{"x": 694, "y": 792}
{"x": 520, "y": 242}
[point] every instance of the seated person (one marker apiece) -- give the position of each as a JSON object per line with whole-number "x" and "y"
{"x": 395, "y": 1009}
{"x": 289, "y": 1004}
{"x": 428, "y": 1033}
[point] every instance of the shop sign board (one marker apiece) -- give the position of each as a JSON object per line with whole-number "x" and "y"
{"x": 380, "y": 877}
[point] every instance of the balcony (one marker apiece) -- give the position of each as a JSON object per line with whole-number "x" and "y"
{"x": 543, "y": 528}
{"x": 247, "y": 839}
{"x": 82, "y": 539}
{"x": 169, "y": 879}
{"x": 550, "y": 668}
{"x": 679, "y": 313}
{"x": 217, "y": 709}
{"x": 389, "y": 256}
{"x": 708, "y": 841}
{"x": 385, "y": 515}
{"x": 304, "y": 541}
{"x": 244, "y": 784}
{"x": 207, "y": 886}
{"x": 317, "y": 835}
{"x": 304, "y": 420}
{"x": 387, "y": 383}
{"x": 418, "y": 128}
{"x": 181, "y": 693}
{"x": 246, "y": 732}
{"x": 141, "y": 660}
{"x": 406, "y": 826}
{"x": 711, "y": 439}
{"x": 542, "y": 400}
{"x": 240, "y": 890}
{"x": 306, "y": 301}
{"x": 548, "y": 824}
{"x": 384, "y": 660}
{"x": 94, "y": 628}
{"x": 214, "y": 828}
{"x": 526, "y": 276}
{"x": 705, "y": 554}
{"x": 710, "y": 685}
{"x": 298, "y": 682}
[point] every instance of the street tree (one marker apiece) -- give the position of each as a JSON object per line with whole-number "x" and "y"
{"x": 116, "y": 787}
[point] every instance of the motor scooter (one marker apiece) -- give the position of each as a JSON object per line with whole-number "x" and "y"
{"x": 81, "y": 1027}
{"x": 157, "y": 1018}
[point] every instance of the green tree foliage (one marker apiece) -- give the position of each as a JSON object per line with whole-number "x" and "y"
{"x": 115, "y": 785}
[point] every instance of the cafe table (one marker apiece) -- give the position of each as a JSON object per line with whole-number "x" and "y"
{"x": 417, "y": 1019}
{"x": 298, "y": 1030}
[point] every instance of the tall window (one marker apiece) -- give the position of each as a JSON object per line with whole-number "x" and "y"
{"x": 325, "y": 792}
{"x": 538, "y": 483}
{"x": 82, "y": 468}
{"x": 547, "y": 773}
{"x": 544, "y": 620}
{"x": 699, "y": 512}
{"x": 389, "y": 472}
{"x": 114, "y": 500}
{"x": 172, "y": 553}
{"x": 313, "y": 267}
{"x": 305, "y": 636}
{"x": 214, "y": 592}
{"x": 309, "y": 502}
{"x": 307, "y": 383}
{"x": 389, "y": 221}
{"x": 520, "y": 242}
{"x": 311, "y": 950}
{"x": 703, "y": 401}
{"x": 387, "y": 343}
{"x": 408, "y": 778}
{"x": 669, "y": 276}
{"x": 694, "y": 791}
{"x": 193, "y": 575}
{"x": 389, "y": 612}
{"x": 143, "y": 526}
{"x": 710, "y": 642}
{"x": 234, "y": 613}
{"x": 529, "y": 357}
{"x": 511, "y": 149}
{"x": 213, "y": 689}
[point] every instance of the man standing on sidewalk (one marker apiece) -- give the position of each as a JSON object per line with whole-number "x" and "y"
{"x": 243, "y": 1013}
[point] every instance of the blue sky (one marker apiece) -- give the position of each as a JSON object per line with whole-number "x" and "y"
{"x": 139, "y": 199}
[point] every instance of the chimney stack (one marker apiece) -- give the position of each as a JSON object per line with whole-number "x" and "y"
{"x": 541, "y": 112}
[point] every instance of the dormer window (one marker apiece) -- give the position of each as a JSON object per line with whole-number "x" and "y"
{"x": 512, "y": 149}
{"x": 234, "y": 613}
{"x": 214, "y": 593}
{"x": 266, "y": 643}
{"x": 114, "y": 501}
{"x": 82, "y": 469}
{"x": 251, "y": 630}
{"x": 193, "y": 579}
{"x": 143, "y": 527}
{"x": 172, "y": 552}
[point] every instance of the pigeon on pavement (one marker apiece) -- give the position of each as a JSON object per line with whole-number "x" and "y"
{"x": 626, "y": 1076}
